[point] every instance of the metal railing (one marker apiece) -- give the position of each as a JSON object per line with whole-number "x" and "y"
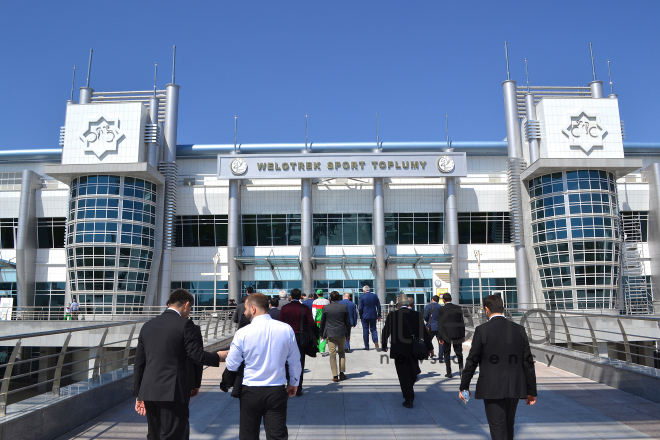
{"x": 619, "y": 340}
{"x": 99, "y": 312}
{"x": 73, "y": 360}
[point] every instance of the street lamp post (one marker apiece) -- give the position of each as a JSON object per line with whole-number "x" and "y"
{"x": 216, "y": 259}
{"x": 477, "y": 254}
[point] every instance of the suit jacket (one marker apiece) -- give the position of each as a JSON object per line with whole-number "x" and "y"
{"x": 369, "y": 306}
{"x": 290, "y": 314}
{"x": 335, "y": 322}
{"x": 309, "y": 303}
{"x": 399, "y": 325}
{"x": 431, "y": 315}
{"x": 274, "y": 313}
{"x": 506, "y": 367}
{"x": 451, "y": 324}
{"x": 352, "y": 310}
{"x": 161, "y": 358}
{"x": 195, "y": 371}
{"x": 283, "y": 302}
{"x": 239, "y": 316}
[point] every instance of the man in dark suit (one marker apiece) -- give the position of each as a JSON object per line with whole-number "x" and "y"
{"x": 431, "y": 319}
{"x": 274, "y": 311}
{"x": 162, "y": 377}
{"x": 401, "y": 325}
{"x": 336, "y": 328}
{"x": 352, "y": 313}
{"x": 506, "y": 369}
{"x": 309, "y": 302}
{"x": 369, "y": 312}
{"x": 290, "y": 314}
{"x": 451, "y": 332}
{"x": 239, "y": 315}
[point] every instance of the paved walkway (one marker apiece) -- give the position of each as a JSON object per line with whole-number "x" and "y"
{"x": 368, "y": 406}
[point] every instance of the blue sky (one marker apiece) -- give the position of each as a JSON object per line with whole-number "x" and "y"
{"x": 270, "y": 62}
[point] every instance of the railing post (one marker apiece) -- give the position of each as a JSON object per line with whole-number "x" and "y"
{"x": 208, "y": 324}
{"x": 626, "y": 345}
{"x": 593, "y": 338}
{"x": 217, "y": 321}
{"x": 60, "y": 362}
{"x": 545, "y": 328}
{"x": 569, "y": 344}
{"x": 5, "y": 380}
{"x": 96, "y": 372}
{"x": 127, "y": 350}
{"x": 224, "y": 324}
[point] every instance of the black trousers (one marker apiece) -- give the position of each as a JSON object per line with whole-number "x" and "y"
{"x": 458, "y": 350}
{"x": 302, "y": 369}
{"x": 407, "y": 370}
{"x": 267, "y": 404}
{"x": 167, "y": 420}
{"x": 501, "y": 415}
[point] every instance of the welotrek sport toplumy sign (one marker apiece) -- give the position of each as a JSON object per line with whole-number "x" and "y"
{"x": 328, "y": 165}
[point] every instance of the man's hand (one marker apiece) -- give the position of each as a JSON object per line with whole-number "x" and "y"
{"x": 139, "y": 407}
{"x": 291, "y": 390}
{"x": 194, "y": 392}
{"x": 531, "y": 400}
{"x": 378, "y": 319}
{"x": 348, "y": 338}
{"x": 223, "y": 355}
{"x": 441, "y": 342}
{"x": 460, "y": 395}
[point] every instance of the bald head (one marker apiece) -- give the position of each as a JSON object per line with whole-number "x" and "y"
{"x": 347, "y": 296}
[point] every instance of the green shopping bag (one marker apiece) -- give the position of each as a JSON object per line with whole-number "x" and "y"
{"x": 322, "y": 343}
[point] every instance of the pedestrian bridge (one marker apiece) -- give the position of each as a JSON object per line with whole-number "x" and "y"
{"x": 368, "y": 406}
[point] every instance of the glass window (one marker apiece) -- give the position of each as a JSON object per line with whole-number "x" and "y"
{"x": 635, "y": 225}
{"x": 202, "y": 230}
{"x": 342, "y": 229}
{"x": 8, "y": 228}
{"x": 413, "y": 228}
{"x": 50, "y": 232}
{"x": 484, "y": 227}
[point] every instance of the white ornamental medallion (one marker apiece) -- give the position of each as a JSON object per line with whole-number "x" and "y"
{"x": 102, "y": 135}
{"x": 584, "y": 131}
{"x": 446, "y": 164}
{"x": 238, "y": 166}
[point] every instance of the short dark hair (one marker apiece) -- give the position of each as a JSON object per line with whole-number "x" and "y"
{"x": 275, "y": 302}
{"x": 259, "y": 300}
{"x": 179, "y": 297}
{"x": 335, "y": 296}
{"x": 435, "y": 298}
{"x": 494, "y": 303}
{"x": 446, "y": 297}
{"x": 296, "y": 293}
{"x": 250, "y": 290}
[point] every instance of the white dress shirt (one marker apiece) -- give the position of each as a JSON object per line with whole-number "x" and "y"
{"x": 265, "y": 345}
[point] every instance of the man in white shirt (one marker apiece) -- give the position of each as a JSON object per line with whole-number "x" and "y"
{"x": 265, "y": 346}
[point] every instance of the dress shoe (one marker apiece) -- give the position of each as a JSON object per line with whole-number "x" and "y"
{"x": 408, "y": 404}
{"x": 342, "y": 376}
{"x": 299, "y": 393}
{"x": 335, "y": 379}
{"x": 376, "y": 344}
{"x": 449, "y": 375}
{"x": 366, "y": 348}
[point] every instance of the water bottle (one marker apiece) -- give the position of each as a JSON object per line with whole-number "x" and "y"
{"x": 466, "y": 396}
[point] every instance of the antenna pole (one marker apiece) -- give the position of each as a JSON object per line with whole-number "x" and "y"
{"x": 235, "y": 130}
{"x": 89, "y": 67}
{"x": 155, "y": 77}
{"x": 305, "y": 131}
{"x": 173, "y": 64}
{"x": 377, "y": 133}
{"x": 447, "y": 128}
{"x": 593, "y": 67}
{"x": 609, "y": 71}
{"x": 506, "y": 54}
{"x": 73, "y": 81}
{"x": 527, "y": 73}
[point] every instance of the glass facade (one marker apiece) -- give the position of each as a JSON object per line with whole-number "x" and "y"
{"x": 203, "y": 292}
{"x": 200, "y": 230}
{"x": 8, "y": 230}
{"x": 413, "y": 228}
{"x": 468, "y": 290}
{"x": 342, "y": 229}
{"x": 271, "y": 230}
{"x": 271, "y": 288}
{"x": 110, "y": 242}
{"x": 50, "y": 232}
{"x": 484, "y": 227}
{"x": 50, "y": 296}
{"x": 575, "y": 229}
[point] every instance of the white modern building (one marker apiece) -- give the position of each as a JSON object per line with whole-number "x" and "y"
{"x": 563, "y": 214}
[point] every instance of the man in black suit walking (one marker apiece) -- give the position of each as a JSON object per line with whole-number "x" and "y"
{"x": 162, "y": 371}
{"x": 506, "y": 373}
{"x": 451, "y": 331}
{"x": 401, "y": 325}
